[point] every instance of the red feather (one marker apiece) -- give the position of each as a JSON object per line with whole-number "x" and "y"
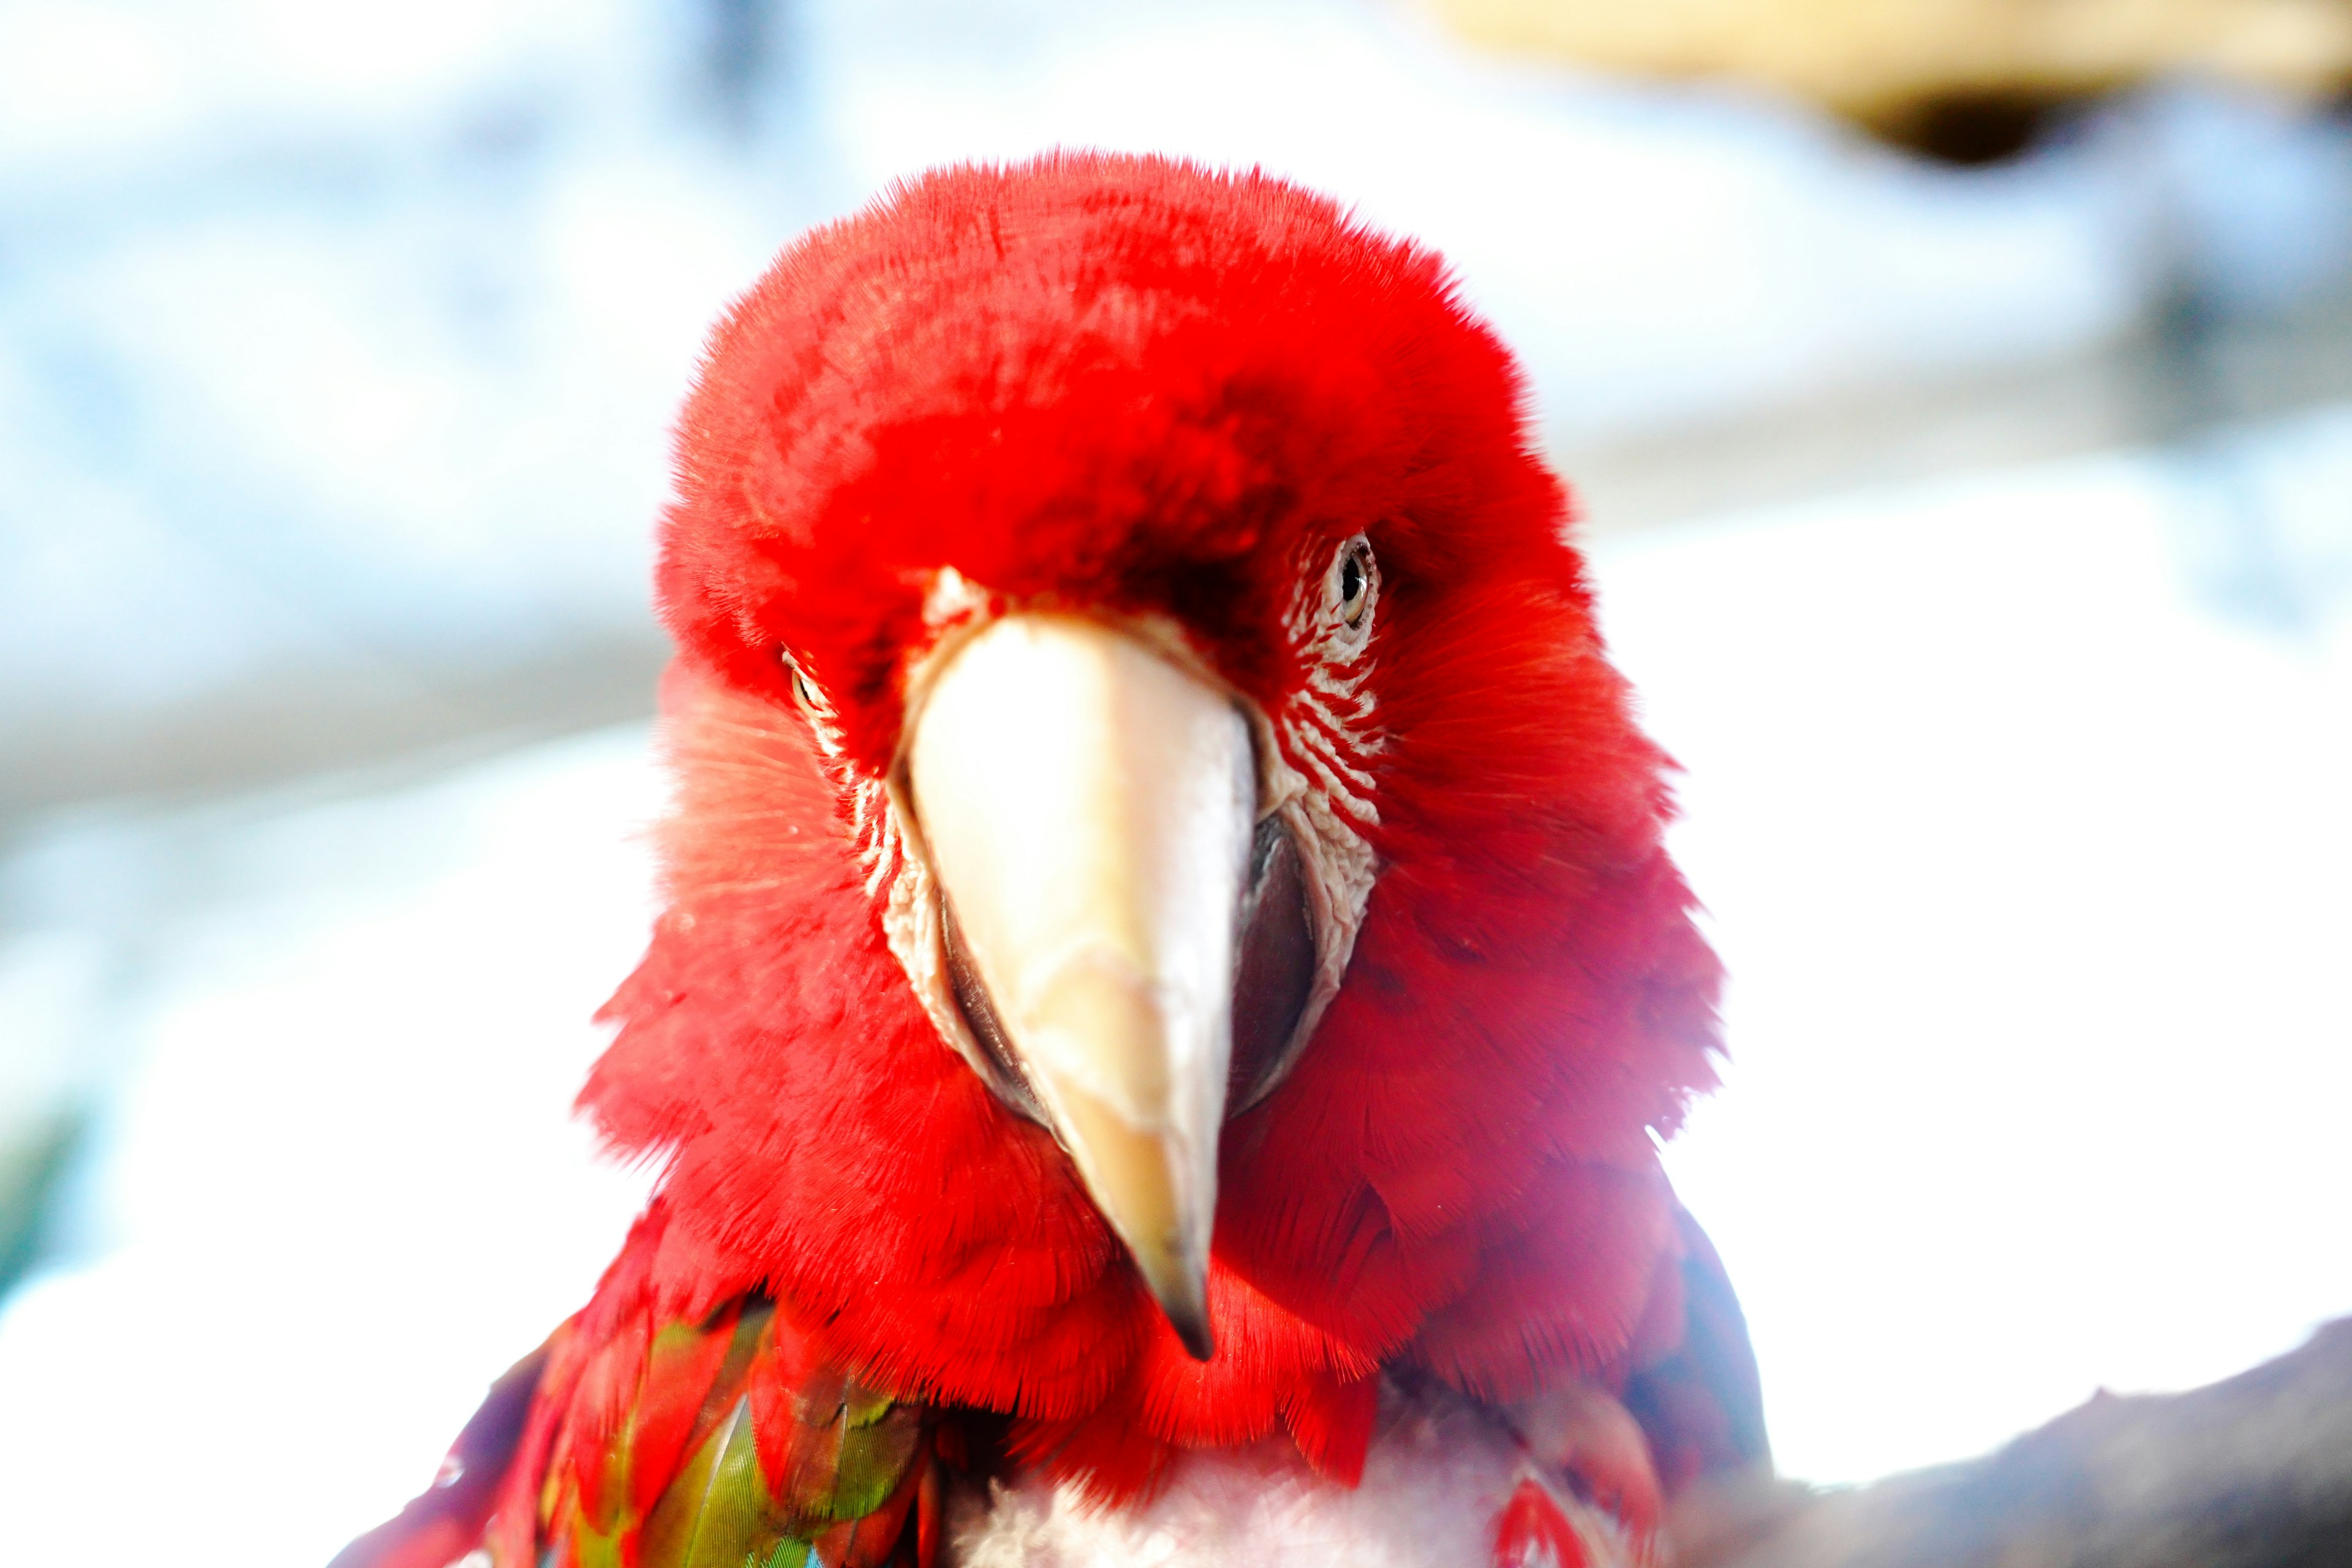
{"x": 1534, "y": 1531}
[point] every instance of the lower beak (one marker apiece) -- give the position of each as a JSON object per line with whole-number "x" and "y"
{"x": 1088, "y": 806}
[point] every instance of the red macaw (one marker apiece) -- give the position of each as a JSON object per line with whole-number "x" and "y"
{"x": 1170, "y": 980}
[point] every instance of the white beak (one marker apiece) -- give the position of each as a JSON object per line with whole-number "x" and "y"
{"x": 1088, "y": 806}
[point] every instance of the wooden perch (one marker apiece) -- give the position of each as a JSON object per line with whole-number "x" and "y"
{"x": 2255, "y": 1472}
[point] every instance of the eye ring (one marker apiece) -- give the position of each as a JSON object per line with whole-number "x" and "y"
{"x": 805, "y": 692}
{"x": 1355, "y": 581}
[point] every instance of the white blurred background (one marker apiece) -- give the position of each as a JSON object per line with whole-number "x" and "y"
{"x": 1980, "y": 538}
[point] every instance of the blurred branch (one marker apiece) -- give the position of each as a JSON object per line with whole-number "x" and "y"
{"x": 2149, "y": 389}
{"x": 2255, "y": 1472}
{"x": 1963, "y": 78}
{"x": 329, "y": 718}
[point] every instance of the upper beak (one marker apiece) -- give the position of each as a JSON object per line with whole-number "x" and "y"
{"x": 1088, "y": 805}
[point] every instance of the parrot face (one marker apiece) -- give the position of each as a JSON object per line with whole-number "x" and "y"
{"x": 1166, "y": 912}
{"x": 1107, "y": 881}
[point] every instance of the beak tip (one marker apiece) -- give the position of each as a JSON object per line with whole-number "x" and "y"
{"x": 1184, "y": 1296}
{"x": 1192, "y": 1329}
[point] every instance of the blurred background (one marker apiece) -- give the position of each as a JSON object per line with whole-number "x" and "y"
{"x": 1960, "y": 396}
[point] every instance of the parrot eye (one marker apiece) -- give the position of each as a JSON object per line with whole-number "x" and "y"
{"x": 1354, "y": 579}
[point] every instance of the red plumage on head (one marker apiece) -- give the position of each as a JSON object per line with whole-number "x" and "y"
{"x": 1128, "y": 386}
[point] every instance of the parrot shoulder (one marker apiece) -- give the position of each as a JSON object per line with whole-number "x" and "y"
{"x": 1700, "y": 1403}
{"x": 667, "y": 1439}
{"x": 723, "y": 1439}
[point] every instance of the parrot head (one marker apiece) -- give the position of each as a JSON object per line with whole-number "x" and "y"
{"x": 1166, "y": 909}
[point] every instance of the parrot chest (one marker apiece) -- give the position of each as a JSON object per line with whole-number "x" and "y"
{"x": 1434, "y": 1485}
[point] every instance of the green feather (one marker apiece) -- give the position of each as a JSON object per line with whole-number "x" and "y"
{"x": 850, "y": 1454}
{"x": 875, "y": 1455}
{"x": 717, "y": 1512}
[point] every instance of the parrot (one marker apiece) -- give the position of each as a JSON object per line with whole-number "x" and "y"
{"x": 1170, "y": 983}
